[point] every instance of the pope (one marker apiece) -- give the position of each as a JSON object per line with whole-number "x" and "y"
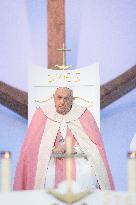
{"x": 46, "y": 136}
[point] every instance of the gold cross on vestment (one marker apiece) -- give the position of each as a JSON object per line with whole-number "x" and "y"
{"x": 63, "y": 66}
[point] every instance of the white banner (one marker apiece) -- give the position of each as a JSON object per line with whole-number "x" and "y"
{"x": 84, "y": 82}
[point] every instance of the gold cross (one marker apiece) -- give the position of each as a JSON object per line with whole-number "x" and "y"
{"x": 63, "y": 66}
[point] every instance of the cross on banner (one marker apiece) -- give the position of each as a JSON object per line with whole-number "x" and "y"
{"x": 63, "y": 66}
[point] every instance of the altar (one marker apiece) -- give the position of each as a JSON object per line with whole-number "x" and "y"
{"x": 42, "y": 198}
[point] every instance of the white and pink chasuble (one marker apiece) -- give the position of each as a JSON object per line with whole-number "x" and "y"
{"x": 36, "y": 169}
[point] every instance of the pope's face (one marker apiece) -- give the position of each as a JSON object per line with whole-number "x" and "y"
{"x": 63, "y": 99}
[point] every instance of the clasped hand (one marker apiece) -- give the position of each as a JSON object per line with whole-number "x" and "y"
{"x": 61, "y": 149}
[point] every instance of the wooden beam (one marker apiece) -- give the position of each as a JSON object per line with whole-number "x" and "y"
{"x": 118, "y": 87}
{"x": 56, "y": 32}
{"x": 16, "y": 99}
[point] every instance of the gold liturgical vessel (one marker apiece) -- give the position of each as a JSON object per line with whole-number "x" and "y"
{"x": 69, "y": 197}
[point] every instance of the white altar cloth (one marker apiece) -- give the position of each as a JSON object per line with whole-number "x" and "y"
{"x": 43, "y": 198}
